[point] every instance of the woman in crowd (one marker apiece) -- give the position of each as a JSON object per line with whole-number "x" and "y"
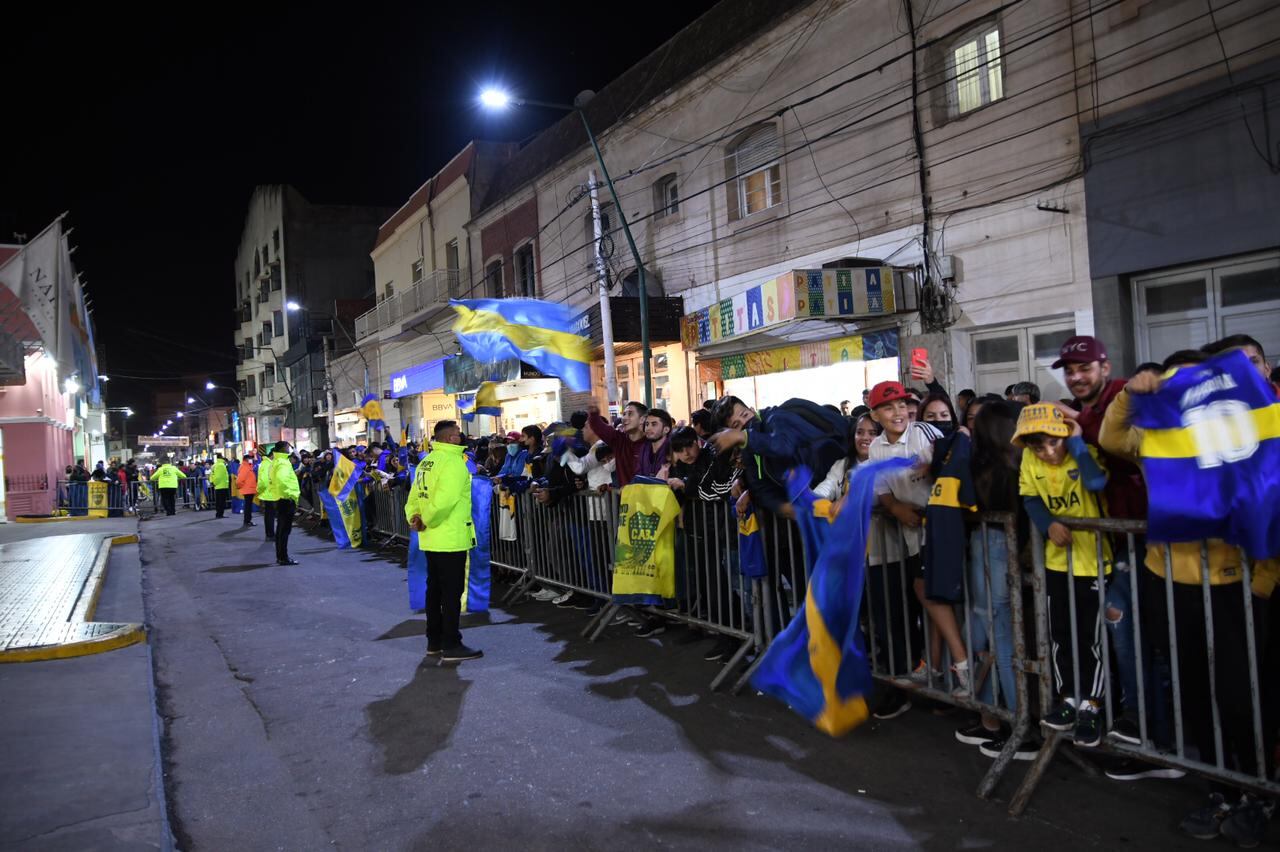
{"x": 865, "y": 431}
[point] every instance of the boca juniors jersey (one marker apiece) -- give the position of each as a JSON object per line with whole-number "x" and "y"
{"x": 1211, "y": 454}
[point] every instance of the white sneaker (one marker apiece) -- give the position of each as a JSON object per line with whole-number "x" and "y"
{"x": 559, "y": 599}
{"x": 546, "y": 594}
{"x": 961, "y": 672}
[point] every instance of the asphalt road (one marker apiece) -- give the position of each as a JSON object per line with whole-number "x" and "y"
{"x": 299, "y": 714}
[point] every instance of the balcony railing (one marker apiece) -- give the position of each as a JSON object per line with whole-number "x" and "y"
{"x": 431, "y": 292}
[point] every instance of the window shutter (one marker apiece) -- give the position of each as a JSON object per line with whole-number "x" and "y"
{"x": 757, "y": 150}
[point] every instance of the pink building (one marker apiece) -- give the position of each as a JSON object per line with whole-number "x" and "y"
{"x": 37, "y": 423}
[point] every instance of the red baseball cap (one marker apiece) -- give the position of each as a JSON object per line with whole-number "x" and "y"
{"x": 513, "y": 436}
{"x": 1081, "y": 349}
{"x": 887, "y": 392}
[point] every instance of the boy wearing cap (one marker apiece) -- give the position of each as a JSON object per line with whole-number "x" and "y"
{"x": 904, "y": 495}
{"x": 1061, "y": 476}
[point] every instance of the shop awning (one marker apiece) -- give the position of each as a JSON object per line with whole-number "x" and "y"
{"x": 664, "y": 320}
{"x": 799, "y": 345}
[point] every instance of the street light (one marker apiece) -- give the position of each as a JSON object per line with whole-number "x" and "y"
{"x": 191, "y": 400}
{"x": 494, "y": 98}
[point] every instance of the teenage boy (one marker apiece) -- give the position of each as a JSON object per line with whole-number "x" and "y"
{"x": 904, "y": 496}
{"x": 626, "y": 442}
{"x": 657, "y": 444}
{"x": 1061, "y": 476}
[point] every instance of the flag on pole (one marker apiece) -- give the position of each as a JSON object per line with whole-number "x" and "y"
{"x": 484, "y": 402}
{"x": 535, "y": 332}
{"x": 343, "y": 500}
{"x": 32, "y": 276}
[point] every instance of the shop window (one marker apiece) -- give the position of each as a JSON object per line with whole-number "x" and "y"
{"x": 666, "y": 197}
{"x": 975, "y": 71}
{"x": 660, "y": 363}
{"x": 756, "y": 173}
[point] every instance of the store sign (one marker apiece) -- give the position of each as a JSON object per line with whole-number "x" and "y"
{"x": 167, "y": 441}
{"x": 799, "y": 294}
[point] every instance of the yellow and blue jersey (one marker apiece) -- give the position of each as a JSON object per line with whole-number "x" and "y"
{"x": 1211, "y": 455}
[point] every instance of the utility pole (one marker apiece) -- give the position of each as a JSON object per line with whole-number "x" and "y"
{"x": 330, "y": 397}
{"x": 602, "y": 281}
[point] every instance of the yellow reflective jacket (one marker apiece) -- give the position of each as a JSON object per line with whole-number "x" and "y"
{"x": 441, "y": 497}
{"x": 218, "y": 475}
{"x": 167, "y": 476}
{"x": 284, "y": 480}
{"x": 265, "y": 493}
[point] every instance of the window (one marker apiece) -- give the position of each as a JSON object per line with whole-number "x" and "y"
{"x": 266, "y": 255}
{"x": 257, "y": 265}
{"x": 452, "y": 267}
{"x": 666, "y": 197}
{"x": 268, "y": 378}
{"x": 266, "y": 332}
{"x": 275, "y": 240}
{"x": 526, "y": 272}
{"x": 277, "y": 322}
{"x": 493, "y": 279}
{"x": 416, "y": 271}
{"x": 975, "y": 72}
{"x": 248, "y": 348}
{"x": 276, "y": 282}
{"x": 758, "y": 183}
{"x": 251, "y": 387}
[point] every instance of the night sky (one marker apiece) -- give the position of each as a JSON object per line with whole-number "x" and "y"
{"x": 153, "y": 133}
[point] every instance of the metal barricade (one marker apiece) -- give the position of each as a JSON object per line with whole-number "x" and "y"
{"x": 1184, "y": 610}
{"x": 386, "y": 506}
{"x": 567, "y": 544}
{"x": 506, "y": 550}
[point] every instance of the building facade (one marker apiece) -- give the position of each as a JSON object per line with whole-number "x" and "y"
{"x": 310, "y": 255}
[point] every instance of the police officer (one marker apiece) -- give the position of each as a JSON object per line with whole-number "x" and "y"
{"x": 439, "y": 509}
{"x": 221, "y": 483}
{"x": 284, "y": 490}
{"x": 265, "y": 495}
{"x": 166, "y": 479}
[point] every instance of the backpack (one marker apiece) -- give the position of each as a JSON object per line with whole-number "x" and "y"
{"x": 824, "y": 434}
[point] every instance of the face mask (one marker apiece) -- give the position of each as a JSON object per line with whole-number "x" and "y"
{"x": 946, "y": 427}
{"x": 512, "y": 449}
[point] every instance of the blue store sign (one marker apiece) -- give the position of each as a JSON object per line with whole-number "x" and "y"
{"x": 419, "y": 379}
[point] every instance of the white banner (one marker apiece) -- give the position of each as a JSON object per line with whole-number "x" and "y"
{"x": 32, "y": 276}
{"x": 75, "y": 339}
{"x": 165, "y": 441}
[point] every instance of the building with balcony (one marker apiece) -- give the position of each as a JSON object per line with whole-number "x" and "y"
{"x": 421, "y": 259}
{"x": 313, "y": 255}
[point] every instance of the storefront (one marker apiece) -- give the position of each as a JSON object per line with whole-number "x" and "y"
{"x": 821, "y": 334}
{"x": 669, "y": 368}
{"x": 525, "y": 395}
{"x": 419, "y": 400}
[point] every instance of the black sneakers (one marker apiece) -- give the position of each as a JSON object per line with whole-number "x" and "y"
{"x": 1060, "y": 718}
{"x": 434, "y": 650}
{"x": 460, "y": 654}
{"x": 1247, "y": 822}
{"x": 893, "y": 705}
{"x": 1126, "y": 730}
{"x": 977, "y": 735}
{"x": 1130, "y": 769}
{"x": 1088, "y": 731}
{"x": 722, "y": 650}
{"x": 1206, "y": 822}
{"x": 652, "y": 626}
{"x": 1025, "y": 750}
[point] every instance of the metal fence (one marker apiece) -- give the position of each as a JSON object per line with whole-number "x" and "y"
{"x": 1175, "y": 656}
{"x": 135, "y": 498}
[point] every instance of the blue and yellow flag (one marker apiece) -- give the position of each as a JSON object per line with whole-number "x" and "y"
{"x": 343, "y": 500}
{"x": 644, "y": 570}
{"x": 751, "y": 561}
{"x": 814, "y": 515}
{"x": 535, "y": 332}
{"x": 371, "y": 411}
{"x": 484, "y": 402}
{"x": 818, "y": 665}
{"x": 475, "y": 595}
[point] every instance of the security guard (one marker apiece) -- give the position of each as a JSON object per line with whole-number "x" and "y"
{"x": 439, "y": 509}
{"x": 284, "y": 490}
{"x": 265, "y": 495}
{"x": 166, "y": 479}
{"x": 221, "y": 483}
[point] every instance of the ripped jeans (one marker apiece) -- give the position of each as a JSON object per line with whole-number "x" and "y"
{"x": 1119, "y": 620}
{"x": 992, "y": 612}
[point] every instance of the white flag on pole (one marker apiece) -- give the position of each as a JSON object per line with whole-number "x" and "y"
{"x": 31, "y": 275}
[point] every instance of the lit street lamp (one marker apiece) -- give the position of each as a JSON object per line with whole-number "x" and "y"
{"x": 494, "y": 98}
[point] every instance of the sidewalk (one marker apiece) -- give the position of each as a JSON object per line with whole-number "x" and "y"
{"x": 81, "y": 766}
{"x": 300, "y": 715}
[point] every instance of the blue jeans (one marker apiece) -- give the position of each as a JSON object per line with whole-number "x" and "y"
{"x": 991, "y": 612}
{"x": 1120, "y": 598}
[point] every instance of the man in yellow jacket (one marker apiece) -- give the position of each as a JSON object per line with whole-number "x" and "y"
{"x": 221, "y": 482}
{"x": 282, "y": 488}
{"x": 166, "y": 480}
{"x": 264, "y": 491}
{"x": 439, "y": 509}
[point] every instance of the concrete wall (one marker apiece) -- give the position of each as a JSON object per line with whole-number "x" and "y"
{"x": 37, "y": 423}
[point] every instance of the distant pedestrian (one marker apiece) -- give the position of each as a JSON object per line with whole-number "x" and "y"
{"x": 166, "y": 479}
{"x": 247, "y": 484}
{"x": 439, "y": 510}
{"x": 221, "y": 483}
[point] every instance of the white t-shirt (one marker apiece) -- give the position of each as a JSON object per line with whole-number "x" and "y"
{"x": 909, "y": 486}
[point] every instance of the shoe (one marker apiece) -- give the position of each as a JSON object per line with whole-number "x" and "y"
{"x": 248, "y": 524}
{"x": 722, "y": 650}
{"x": 434, "y": 650}
{"x": 581, "y": 603}
{"x": 287, "y": 562}
{"x": 1206, "y": 823}
{"x": 1088, "y": 730}
{"x": 562, "y": 598}
{"x": 893, "y": 705}
{"x": 546, "y": 594}
{"x": 920, "y": 674}
{"x": 960, "y": 671}
{"x": 1136, "y": 770}
{"x": 1026, "y": 750}
{"x": 1246, "y": 825}
{"x": 653, "y": 626}
{"x": 620, "y": 617}
{"x": 1060, "y": 718}
{"x": 460, "y": 654}
{"x": 976, "y": 734}
{"x": 1126, "y": 730}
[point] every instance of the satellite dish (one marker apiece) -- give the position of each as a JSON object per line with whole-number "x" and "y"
{"x": 583, "y": 98}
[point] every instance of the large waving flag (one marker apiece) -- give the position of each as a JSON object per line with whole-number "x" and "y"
{"x": 484, "y": 402}
{"x": 475, "y": 595}
{"x": 371, "y": 411}
{"x": 342, "y": 500}
{"x": 535, "y": 332}
{"x": 818, "y": 665}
